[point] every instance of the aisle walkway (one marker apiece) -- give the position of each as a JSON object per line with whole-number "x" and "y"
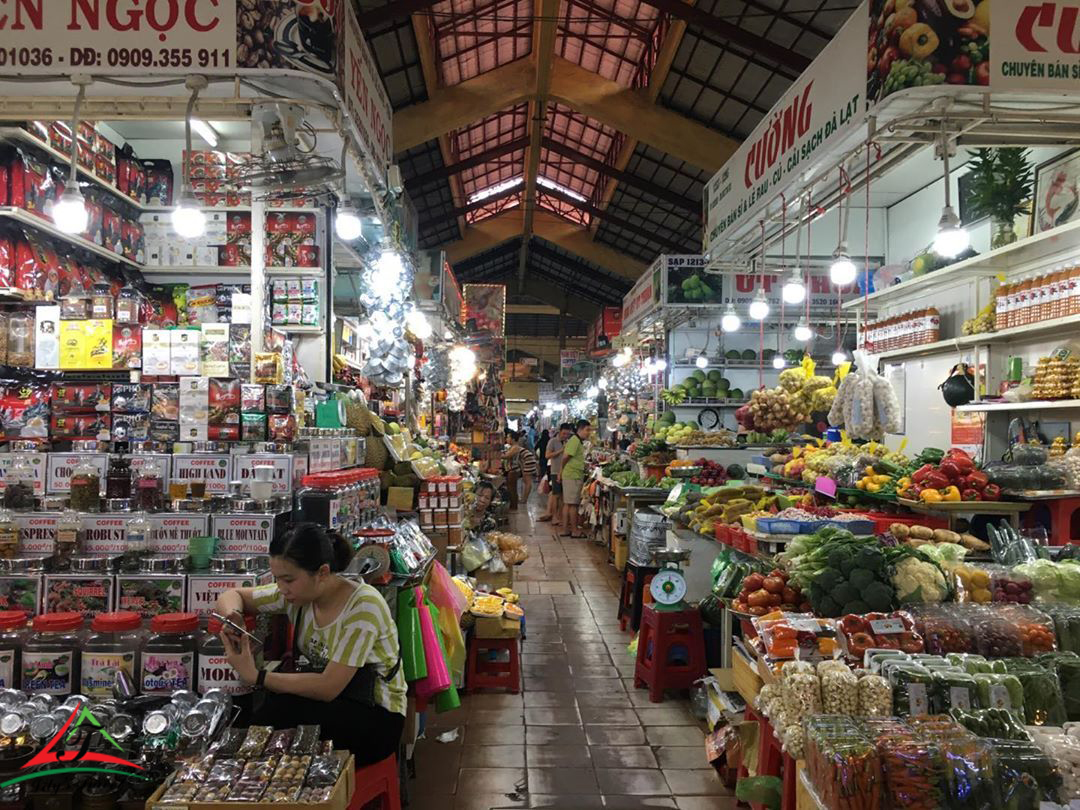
{"x": 580, "y": 735}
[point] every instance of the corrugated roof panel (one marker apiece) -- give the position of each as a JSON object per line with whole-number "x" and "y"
{"x": 610, "y": 37}
{"x": 504, "y": 126}
{"x": 474, "y": 37}
{"x": 495, "y": 207}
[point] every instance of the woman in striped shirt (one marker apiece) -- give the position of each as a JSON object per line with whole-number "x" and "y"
{"x": 344, "y": 637}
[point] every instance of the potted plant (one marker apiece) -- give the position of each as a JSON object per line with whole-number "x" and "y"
{"x": 1001, "y": 182}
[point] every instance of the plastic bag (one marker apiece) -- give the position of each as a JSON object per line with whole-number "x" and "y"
{"x": 474, "y": 553}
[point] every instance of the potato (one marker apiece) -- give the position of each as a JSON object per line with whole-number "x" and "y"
{"x": 922, "y": 532}
{"x": 945, "y": 536}
{"x": 916, "y": 541}
{"x": 899, "y": 530}
{"x": 970, "y": 541}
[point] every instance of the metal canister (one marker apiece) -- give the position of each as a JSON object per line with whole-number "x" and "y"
{"x": 122, "y": 727}
{"x": 44, "y": 727}
{"x": 158, "y": 721}
{"x": 44, "y": 702}
{"x": 196, "y": 723}
{"x": 184, "y": 699}
{"x": 13, "y": 724}
{"x": 11, "y": 697}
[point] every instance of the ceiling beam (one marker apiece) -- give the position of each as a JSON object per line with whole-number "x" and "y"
{"x": 457, "y": 106}
{"x": 372, "y": 18}
{"x": 462, "y": 210}
{"x": 629, "y": 111}
{"x": 425, "y": 45}
{"x": 618, "y": 287}
{"x": 733, "y": 33}
{"x": 543, "y": 51}
{"x": 665, "y": 57}
{"x": 558, "y": 299}
{"x": 494, "y": 231}
{"x": 479, "y": 159}
{"x": 655, "y": 189}
{"x": 531, "y": 309}
{"x": 625, "y": 224}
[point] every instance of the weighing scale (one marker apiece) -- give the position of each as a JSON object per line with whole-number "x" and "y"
{"x": 668, "y": 586}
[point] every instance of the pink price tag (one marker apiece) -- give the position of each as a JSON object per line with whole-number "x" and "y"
{"x": 825, "y": 486}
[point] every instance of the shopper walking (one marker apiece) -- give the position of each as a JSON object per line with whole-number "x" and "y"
{"x": 554, "y": 456}
{"x": 573, "y": 477}
{"x": 530, "y": 468}
{"x": 541, "y": 451}
{"x": 512, "y": 467}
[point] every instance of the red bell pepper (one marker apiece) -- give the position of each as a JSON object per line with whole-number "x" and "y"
{"x": 919, "y": 476}
{"x": 970, "y": 494}
{"x": 976, "y": 479}
{"x": 964, "y": 462}
{"x": 950, "y": 469}
{"x": 936, "y": 480}
{"x": 992, "y": 492}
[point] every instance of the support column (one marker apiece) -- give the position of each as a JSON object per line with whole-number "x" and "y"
{"x": 258, "y": 278}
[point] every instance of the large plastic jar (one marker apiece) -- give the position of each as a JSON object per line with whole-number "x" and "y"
{"x": 215, "y": 671}
{"x": 12, "y": 636}
{"x": 52, "y": 655}
{"x": 168, "y": 657}
{"x": 113, "y": 645}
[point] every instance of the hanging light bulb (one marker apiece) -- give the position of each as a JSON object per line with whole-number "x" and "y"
{"x": 778, "y": 361}
{"x": 759, "y": 308}
{"x": 603, "y": 383}
{"x": 188, "y": 219}
{"x": 952, "y": 239}
{"x": 731, "y": 321}
{"x": 803, "y": 333}
{"x": 69, "y": 213}
{"x": 347, "y": 223}
{"x": 702, "y": 361}
{"x": 418, "y": 324}
{"x": 842, "y": 272}
{"x": 619, "y": 360}
{"x": 593, "y": 392}
{"x": 794, "y": 290}
{"x": 660, "y": 364}
{"x": 839, "y": 357}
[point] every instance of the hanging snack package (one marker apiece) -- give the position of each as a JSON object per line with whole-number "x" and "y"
{"x": 269, "y": 368}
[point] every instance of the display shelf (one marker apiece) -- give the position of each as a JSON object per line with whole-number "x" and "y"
{"x": 965, "y": 507}
{"x": 43, "y": 225}
{"x": 244, "y": 270}
{"x": 299, "y": 329}
{"x": 754, "y": 366}
{"x": 709, "y": 403}
{"x": 990, "y": 263}
{"x": 1034, "y": 405}
{"x": 210, "y": 209}
{"x": 1028, "y": 331}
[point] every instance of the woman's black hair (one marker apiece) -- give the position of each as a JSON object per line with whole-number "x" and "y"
{"x": 485, "y": 485}
{"x": 310, "y": 546}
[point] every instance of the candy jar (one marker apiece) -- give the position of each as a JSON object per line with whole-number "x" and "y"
{"x": 75, "y": 306}
{"x": 101, "y": 301}
{"x": 19, "y": 490}
{"x": 118, "y": 478}
{"x": 9, "y": 534}
{"x": 127, "y": 305}
{"x": 86, "y": 488}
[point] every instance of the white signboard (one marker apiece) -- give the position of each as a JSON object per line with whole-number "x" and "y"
{"x": 215, "y": 470}
{"x": 280, "y": 463}
{"x": 366, "y": 100}
{"x": 645, "y": 296}
{"x": 62, "y": 465}
{"x": 1035, "y": 45}
{"x": 818, "y": 109}
{"x": 203, "y": 590}
{"x": 170, "y": 533}
{"x": 37, "y": 462}
{"x": 741, "y": 288}
{"x": 243, "y": 534}
{"x": 104, "y": 534}
{"x": 37, "y": 532}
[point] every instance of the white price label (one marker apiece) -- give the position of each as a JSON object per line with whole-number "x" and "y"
{"x": 918, "y": 703}
{"x": 884, "y": 627}
{"x": 959, "y": 697}
{"x": 999, "y": 696}
{"x": 281, "y": 475}
{"x": 213, "y": 469}
{"x": 62, "y": 465}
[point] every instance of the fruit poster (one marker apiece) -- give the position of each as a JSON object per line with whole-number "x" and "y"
{"x": 485, "y": 308}
{"x": 689, "y": 283}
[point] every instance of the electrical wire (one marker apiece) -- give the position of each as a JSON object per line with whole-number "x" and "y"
{"x": 73, "y": 176}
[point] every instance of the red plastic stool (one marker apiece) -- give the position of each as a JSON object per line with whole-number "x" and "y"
{"x": 662, "y": 631}
{"x": 1064, "y": 515}
{"x": 486, "y": 674}
{"x": 378, "y": 782}
{"x": 634, "y": 594}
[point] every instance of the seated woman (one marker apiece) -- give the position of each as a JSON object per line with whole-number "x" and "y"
{"x": 345, "y": 641}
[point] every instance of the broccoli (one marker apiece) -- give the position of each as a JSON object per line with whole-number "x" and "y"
{"x": 870, "y": 558}
{"x": 849, "y": 565}
{"x": 857, "y": 607}
{"x": 878, "y": 596}
{"x": 828, "y": 578}
{"x": 838, "y": 556}
{"x": 844, "y": 592}
{"x": 861, "y": 578}
{"x": 827, "y": 607}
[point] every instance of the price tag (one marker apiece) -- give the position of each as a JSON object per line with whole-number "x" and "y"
{"x": 884, "y": 627}
{"x": 959, "y": 697}
{"x": 917, "y": 699}
{"x": 805, "y": 625}
{"x": 756, "y": 469}
{"x": 999, "y": 696}
{"x": 825, "y": 486}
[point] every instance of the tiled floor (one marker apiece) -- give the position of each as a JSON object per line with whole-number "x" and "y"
{"x": 579, "y": 735}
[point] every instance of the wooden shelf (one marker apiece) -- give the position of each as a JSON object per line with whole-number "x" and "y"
{"x": 37, "y": 223}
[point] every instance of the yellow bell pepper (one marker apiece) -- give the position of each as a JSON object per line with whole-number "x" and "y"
{"x": 882, "y": 479}
{"x": 930, "y": 496}
{"x": 950, "y": 495}
{"x": 860, "y": 484}
{"x": 904, "y": 483}
{"x": 872, "y": 487}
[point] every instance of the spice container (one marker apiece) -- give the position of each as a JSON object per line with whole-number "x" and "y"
{"x": 19, "y": 489}
{"x": 113, "y": 646}
{"x": 85, "y": 488}
{"x": 136, "y": 541}
{"x": 20, "y": 339}
{"x": 118, "y": 478}
{"x": 101, "y": 301}
{"x": 12, "y": 635}
{"x": 75, "y": 306}
{"x": 127, "y": 305}
{"x": 67, "y": 536}
{"x": 168, "y": 658}
{"x": 149, "y": 491}
{"x": 52, "y": 654}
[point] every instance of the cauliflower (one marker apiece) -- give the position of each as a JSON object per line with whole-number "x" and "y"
{"x": 919, "y": 581}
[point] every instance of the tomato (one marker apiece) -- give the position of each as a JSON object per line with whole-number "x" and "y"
{"x": 888, "y": 642}
{"x": 859, "y": 643}
{"x": 752, "y": 582}
{"x": 791, "y": 596}
{"x": 775, "y": 599}
{"x": 910, "y": 642}
{"x": 773, "y": 584}
{"x": 757, "y": 610}
{"x": 758, "y": 598}
{"x": 854, "y": 624}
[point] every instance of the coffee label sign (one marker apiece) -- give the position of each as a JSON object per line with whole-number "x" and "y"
{"x": 62, "y": 465}
{"x": 243, "y": 534}
{"x": 170, "y": 533}
{"x": 213, "y": 469}
{"x": 104, "y": 534}
{"x": 37, "y": 532}
{"x": 36, "y": 461}
{"x": 280, "y": 465}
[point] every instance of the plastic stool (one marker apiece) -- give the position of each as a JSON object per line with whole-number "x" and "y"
{"x": 1062, "y": 514}
{"x": 662, "y": 631}
{"x": 634, "y": 594}
{"x": 378, "y": 782}
{"x": 482, "y": 673}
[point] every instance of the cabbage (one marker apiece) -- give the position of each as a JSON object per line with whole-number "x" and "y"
{"x": 1048, "y": 579}
{"x": 945, "y": 552}
{"x": 1069, "y": 580}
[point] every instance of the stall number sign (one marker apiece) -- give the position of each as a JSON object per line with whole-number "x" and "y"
{"x": 281, "y": 464}
{"x": 62, "y": 465}
{"x": 202, "y": 592}
{"x": 243, "y": 534}
{"x": 37, "y": 462}
{"x": 171, "y": 533}
{"x": 212, "y": 469}
{"x": 37, "y": 532}
{"x": 104, "y": 534}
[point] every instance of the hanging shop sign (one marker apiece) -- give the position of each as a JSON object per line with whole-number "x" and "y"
{"x": 485, "y": 308}
{"x": 1035, "y": 45}
{"x": 740, "y": 289}
{"x": 568, "y": 358}
{"x": 365, "y": 97}
{"x": 822, "y": 106}
{"x": 645, "y": 297}
{"x": 452, "y": 300}
{"x": 602, "y": 331}
{"x": 687, "y": 284}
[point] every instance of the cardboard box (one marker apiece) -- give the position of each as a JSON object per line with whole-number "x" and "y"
{"x": 339, "y": 799}
{"x": 493, "y": 581}
{"x": 400, "y": 498}
{"x": 440, "y": 540}
{"x": 492, "y": 627}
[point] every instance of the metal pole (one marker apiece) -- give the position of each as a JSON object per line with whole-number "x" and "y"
{"x": 258, "y": 278}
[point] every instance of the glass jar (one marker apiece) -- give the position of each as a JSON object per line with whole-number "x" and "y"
{"x": 214, "y": 670}
{"x": 52, "y": 654}
{"x": 101, "y": 301}
{"x": 20, "y": 339}
{"x": 149, "y": 491}
{"x": 75, "y": 305}
{"x": 127, "y": 305}
{"x": 19, "y": 489}
{"x": 9, "y": 535}
{"x": 85, "y": 488}
{"x": 168, "y": 658}
{"x": 137, "y": 541}
{"x": 118, "y": 477}
{"x": 67, "y": 535}
{"x": 12, "y": 635}
{"x": 113, "y": 646}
